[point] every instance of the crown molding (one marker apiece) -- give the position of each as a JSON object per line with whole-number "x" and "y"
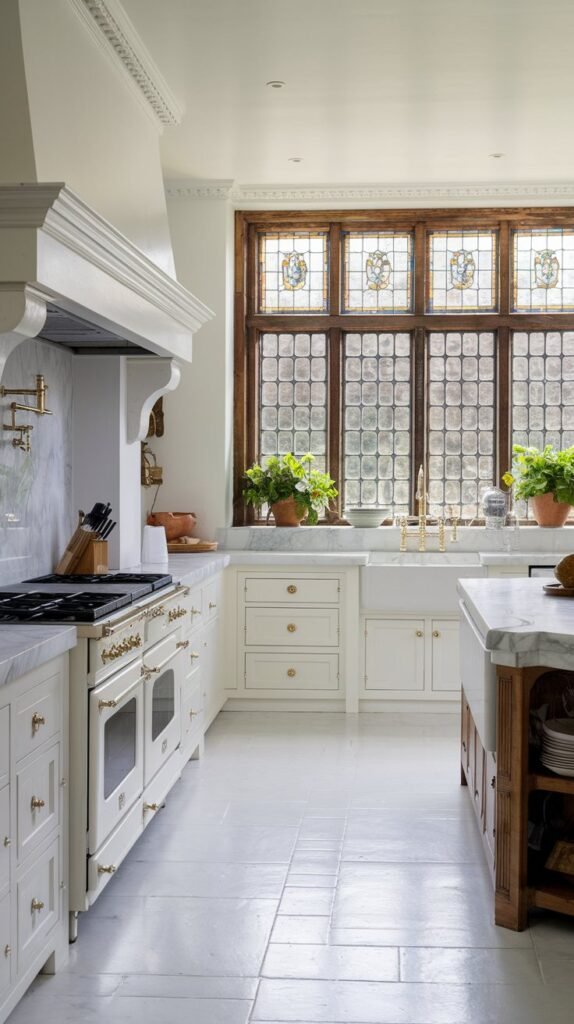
{"x": 191, "y": 188}
{"x": 116, "y": 35}
{"x": 561, "y": 193}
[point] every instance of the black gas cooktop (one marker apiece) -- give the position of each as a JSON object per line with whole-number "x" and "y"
{"x": 154, "y": 580}
{"x": 35, "y": 607}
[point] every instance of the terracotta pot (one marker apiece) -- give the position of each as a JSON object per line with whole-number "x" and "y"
{"x": 177, "y": 524}
{"x": 288, "y": 513}
{"x": 548, "y": 512}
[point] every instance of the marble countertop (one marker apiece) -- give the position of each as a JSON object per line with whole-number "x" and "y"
{"x": 188, "y": 569}
{"x": 23, "y": 648}
{"x": 521, "y": 557}
{"x": 301, "y": 558}
{"x": 519, "y": 624}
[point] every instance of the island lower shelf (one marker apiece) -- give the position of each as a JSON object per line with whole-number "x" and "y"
{"x": 514, "y": 796}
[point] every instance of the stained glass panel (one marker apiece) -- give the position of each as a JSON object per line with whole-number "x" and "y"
{"x": 543, "y": 270}
{"x": 377, "y": 272}
{"x": 293, "y": 396}
{"x": 376, "y": 420}
{"x": 293, "y": 272}
{"x": 461, "y": 420}
{"x": 462, "y": 271}
{"x": 543, "y": 388}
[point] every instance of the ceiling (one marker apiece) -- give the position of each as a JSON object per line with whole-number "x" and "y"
{"x": 381, "y": 91}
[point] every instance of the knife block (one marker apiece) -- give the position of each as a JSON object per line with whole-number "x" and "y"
{"x": 95, "y": 558}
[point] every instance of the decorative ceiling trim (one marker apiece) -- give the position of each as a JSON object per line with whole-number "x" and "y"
{"x": 116, "y": 33}
{"x": 517, "y": 193}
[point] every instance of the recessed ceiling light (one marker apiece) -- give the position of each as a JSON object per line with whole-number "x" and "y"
{"x": 295, "y": 159}
{"x": 275, "y": 84}
{"x": 496, "y": 156}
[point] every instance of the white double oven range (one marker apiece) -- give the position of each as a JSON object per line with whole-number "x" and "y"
{"x": 126, "y": 679}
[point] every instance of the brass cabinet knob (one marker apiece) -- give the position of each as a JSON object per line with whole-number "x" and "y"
{"x": 194, "y": 655}
{"x": 420, "y": 632}
{"x": 291, "y": 589}
{"x": 36, "y": 905}
{"x": 36, "y": 803}
{"x": 193, "y": 713}
{"x": 107, "y": 704}
{"x": 151, "y": 807}
{"x": 183, "y": 644}
{"x": 291, "y": 627}
{"x": 212, "y": 604}
{"x": 7, "y": 950}
{"x": 195, "y": 611}
{"x": 147, "y": 672}
{"x": 107, "y": 869}
{"x": 435, "y": 633}
{"x": 7, "y": 841}
{"x": 37, "y": 721}
{"x": 291, "y": 672}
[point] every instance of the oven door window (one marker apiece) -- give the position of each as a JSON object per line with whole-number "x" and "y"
{"x": 120, "y": 746}
{"x": 162, "y": 703}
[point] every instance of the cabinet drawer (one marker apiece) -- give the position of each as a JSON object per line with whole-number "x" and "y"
{"x": 297, "y": 627}
{"x": 155, "y": 794}
{"x": 289, "y": 589}
{"x": 38, "y": 800}
{"x": 113, "y": 652}
{"x": 105, "y": 862}
{"x": 6, "y": 944}
{"x": 291, "y": 672}
{"x": 5, "y": 839}
{"x": 4, "y": 745}
{"x": 166, "y": 613}
{"x": 37, "y": 716}
{"x": 38, "y": 902}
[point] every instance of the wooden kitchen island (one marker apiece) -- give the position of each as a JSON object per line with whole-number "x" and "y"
{"x": 522, "y": 808}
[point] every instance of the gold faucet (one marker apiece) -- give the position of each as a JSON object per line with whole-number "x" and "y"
{"x": 421, "y": 497}
{"x": 22, "y": 441}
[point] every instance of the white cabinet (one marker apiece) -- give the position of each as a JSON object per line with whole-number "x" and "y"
{"x": 202, "y": 689}
{"x": 33, "y": 828}
{"x": 410, "y": 658}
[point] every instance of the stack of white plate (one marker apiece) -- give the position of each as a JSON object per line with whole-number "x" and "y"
{"x": 558, "y": 746}
{"x": 364, "y": 517}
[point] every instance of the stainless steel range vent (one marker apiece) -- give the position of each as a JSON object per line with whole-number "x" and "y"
{"x": 85, "y": 338}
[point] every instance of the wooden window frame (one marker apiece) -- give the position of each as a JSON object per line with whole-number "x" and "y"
{"x": 249, "y": 324}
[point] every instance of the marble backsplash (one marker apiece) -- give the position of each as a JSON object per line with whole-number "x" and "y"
{"x": 36, "y": 508}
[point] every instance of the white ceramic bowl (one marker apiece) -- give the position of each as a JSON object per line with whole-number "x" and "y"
{"x": 365, "y": 517}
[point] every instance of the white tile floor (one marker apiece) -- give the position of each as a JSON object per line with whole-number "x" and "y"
{"x": 313, "y": 869}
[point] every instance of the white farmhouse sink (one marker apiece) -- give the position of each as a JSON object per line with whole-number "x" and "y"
{"x": 416, "y": 582}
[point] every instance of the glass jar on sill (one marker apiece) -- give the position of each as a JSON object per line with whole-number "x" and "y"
{"x": 494, "y": 507}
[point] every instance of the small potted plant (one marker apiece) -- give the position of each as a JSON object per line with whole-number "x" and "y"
{"x": 546, "y": 479}
{"x": 290, "y": 488}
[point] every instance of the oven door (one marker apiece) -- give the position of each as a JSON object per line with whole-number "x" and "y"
{"x": 116, "y": 770}
{"x": 163, "y": 670}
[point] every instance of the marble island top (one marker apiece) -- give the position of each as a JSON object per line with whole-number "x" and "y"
{"x": 519, "y": 623}
{"x": 23, "y": 648}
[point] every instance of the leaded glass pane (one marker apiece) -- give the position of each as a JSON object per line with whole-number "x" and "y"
{"x": 543, "y": 270}
{"x": 461, "y": 420}
{"x": 543, "y": 388}
{"x": 293, "y": 396}
{"x": 462, "y": 271}
{"x": 293, "y": 272}
{"x": 376, "y": 420}
{"x": 377, "y": 272}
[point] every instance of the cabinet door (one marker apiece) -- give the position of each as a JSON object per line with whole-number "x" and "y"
{"x": 394, "y": 654}
{"x": 6, "y": 944}
{"x": 445, "y": 656}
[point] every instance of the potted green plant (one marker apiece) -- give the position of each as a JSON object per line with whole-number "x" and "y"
{"x": 290, "y": 488}
{"x": 546, "y": 479}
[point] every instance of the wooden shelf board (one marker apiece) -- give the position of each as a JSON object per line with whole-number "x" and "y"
{"x": 540, "y": 779}
{"x": 553, "y": 896}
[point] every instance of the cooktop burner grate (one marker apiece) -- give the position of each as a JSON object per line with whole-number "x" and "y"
{"x": 35, "y": 607}
{"x": 155, "y": 580}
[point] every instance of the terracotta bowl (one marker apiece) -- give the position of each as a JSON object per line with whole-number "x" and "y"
{"x": 177, "y": 524}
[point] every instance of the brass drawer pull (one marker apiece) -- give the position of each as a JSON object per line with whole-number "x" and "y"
{"x": 151, "y": 807}
{"x": 7, "y": 841}
{"x": 176, "y": 613}
{"x": 107, "y": 704}
{"x": 107, "y": 869}
{"x": 154, "y": 613}
{"x": 7, "y": 951}
{"x": 435, "y": 633}
{"x": 195, "y": 611}
{"x": 291, "y": 672}
{"x": 182, "y": 644}
{"x": 37, "y": 721}
{"x": 193, "y": 713}
{"x": 291, "y": 589}
{"x": 36, "y": 905}
{"x": 36, "y": 803}
{"x": 291, "y": 627}
{"x": 147, "y": 672}
{"x": 194, "y": 655}
{"x": 212, "y": 604}
{"x": 129, "y": 643}
{"x": 493, "y": 782}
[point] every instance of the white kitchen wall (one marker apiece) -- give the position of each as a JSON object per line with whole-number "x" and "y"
{"x": 197, "y": 449}
{"x": 36, "y": 508}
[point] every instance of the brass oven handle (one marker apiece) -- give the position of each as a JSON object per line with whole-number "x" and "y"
{"x": 291, "y": 627}
{"x": 183, "y": 644}
{"x": 37, "y": 721}
{"x": 129, "y": 643}
{"x": 36, "y": 803}
{"x": 107, "y": 869}
{"x": 176, "y": 613}
{"x": 36, "y": 905}
{"x": 107, "y": 704}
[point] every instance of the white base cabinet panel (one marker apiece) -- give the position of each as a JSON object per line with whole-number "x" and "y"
{"x": 410, "y": 659}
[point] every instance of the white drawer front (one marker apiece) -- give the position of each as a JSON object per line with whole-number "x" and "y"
{"x": 5, "y": 839}
{"x": 292, "y": 672}
{"x": 4, "y": 745}
{"x": 38, "y": 902}
{"x": 290, "y": 590}
{"x": 299, "y": 627}
{"x": 155, "y": 794}
{"x": 108, "y": 858}
{"x": 37, "y": 716}
{"x": 168, "y": 613}
{"x": 6, "y": 944}
{"x": 113, "y": 652}
{"x": 38, "y": 800}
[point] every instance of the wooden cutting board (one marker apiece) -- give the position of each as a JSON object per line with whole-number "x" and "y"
{"x": 177, "y": 547}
